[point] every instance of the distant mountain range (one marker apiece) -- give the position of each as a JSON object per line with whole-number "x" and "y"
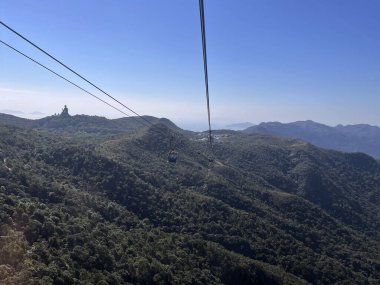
{"x": 351, "y": 138}
{"x": 239, "y": 126}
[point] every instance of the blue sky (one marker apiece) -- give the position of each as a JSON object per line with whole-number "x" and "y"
{"x": 269, "y": 60}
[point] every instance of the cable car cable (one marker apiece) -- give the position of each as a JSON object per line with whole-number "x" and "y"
{"x": 64, "y": 78}
{"x": 201, "y": 7}
{"x": 204, "y": 48}
{"x": 73, "y": 71}
{"x": 172, "y": 156}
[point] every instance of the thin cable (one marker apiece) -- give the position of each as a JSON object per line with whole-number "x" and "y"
{"x": 64, "y": 78}
{"x": 203, "y": 30}
{"x": 74, "y": 84}
{"x": 76, "y": 73}
{"x": 70, "y": 69}
{"x": 84, "y": 90}
{"x": 89, "y": 93}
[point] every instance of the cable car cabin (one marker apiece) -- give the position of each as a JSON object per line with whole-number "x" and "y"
{"x": 172, "y": 156}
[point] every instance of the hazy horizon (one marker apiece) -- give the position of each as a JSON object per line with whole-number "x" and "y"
{"x": 187, "y": 125}
{"x": 268, "y": 60}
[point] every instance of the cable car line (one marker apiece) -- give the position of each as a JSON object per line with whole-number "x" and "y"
{"x": 203, "y": 31}
{"x": 172, "y": 155}
{"x": 73, "y": 71}
{"x": 64, "y": 78}
{"x": 83, "y": 78}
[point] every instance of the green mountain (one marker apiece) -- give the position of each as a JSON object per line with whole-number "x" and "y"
{"x": 13, "y": 120}
{"x": 254, "y": 210}
{"x": 92, "y": 125}
{"x": 350, "y": 138}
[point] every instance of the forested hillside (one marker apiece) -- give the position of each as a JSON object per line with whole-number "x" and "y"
{"x": 255, "y": 210}
{"x": 83, "y": 124}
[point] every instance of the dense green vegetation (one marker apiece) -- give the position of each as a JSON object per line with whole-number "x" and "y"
{"x": 84, "y": 125}
{"x": 112, "y": 210}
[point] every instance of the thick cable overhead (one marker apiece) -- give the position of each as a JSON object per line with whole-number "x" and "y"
{"x": 64, "y": 78}
{"x": 73, "y": 71}
{"x": 72, "y": 83}
{"x": 76, "y": 85}
{"x": 201, "y": 6}
{"x": 203, "y": 30}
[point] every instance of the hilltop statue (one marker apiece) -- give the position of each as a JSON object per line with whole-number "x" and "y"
{"x": 65, "y": 112}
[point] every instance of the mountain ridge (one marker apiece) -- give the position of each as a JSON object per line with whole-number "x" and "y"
{"x": 86, "y": 123}
{"x": 350, "y": 138}
{"x": 278, "y": 208}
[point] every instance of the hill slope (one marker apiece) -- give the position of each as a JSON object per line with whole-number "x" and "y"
{"x": 350, "y": 138}
{"x": 115, "y": 211}
{"x": 84, "y": 124}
